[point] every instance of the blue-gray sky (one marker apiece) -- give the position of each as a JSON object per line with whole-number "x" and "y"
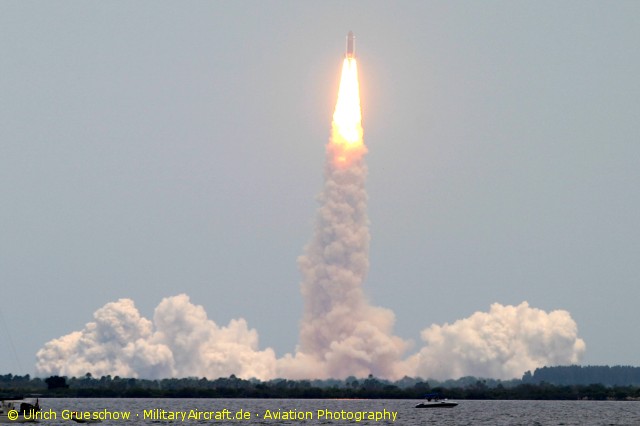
{"x": 154, "y": 148}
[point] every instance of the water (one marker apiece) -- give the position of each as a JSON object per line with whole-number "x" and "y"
{"x": 492, "y": 413}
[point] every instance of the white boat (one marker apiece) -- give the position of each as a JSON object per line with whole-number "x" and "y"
{"x": 13, "y": 410}
{"x": 434, "y": 401}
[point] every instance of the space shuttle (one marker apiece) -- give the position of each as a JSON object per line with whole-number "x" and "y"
{"x": 351, "y": 46}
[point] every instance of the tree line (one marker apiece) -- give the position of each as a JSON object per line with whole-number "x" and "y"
{"x": 617, "y": 375}
{"x": 531, "y": 386}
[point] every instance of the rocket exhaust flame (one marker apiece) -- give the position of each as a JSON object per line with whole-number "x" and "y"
{"x": 347, "y": 142}
{"x": 341, "y": 334}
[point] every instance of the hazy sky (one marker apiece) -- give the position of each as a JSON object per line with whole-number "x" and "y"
{"x": 154, "y": 148}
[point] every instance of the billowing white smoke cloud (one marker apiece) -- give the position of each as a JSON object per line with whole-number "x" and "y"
{"x": 502, "y": 343}
{"x": 180, "y": 342}
{"x": 351, "y": 340}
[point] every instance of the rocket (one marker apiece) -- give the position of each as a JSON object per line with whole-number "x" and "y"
{"x": 351, "y": 45}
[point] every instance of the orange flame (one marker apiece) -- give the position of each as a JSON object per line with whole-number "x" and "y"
{"x": 347, "y": 144}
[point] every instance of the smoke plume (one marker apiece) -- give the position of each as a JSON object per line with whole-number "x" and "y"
{"x": 180, "y": 342}
{"x": 340, "y": 331}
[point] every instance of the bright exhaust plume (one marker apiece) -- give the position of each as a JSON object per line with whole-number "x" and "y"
{"x": 347, "y": 116}
{"x": 341, "y": 333}
{"x": 347, "y": 143}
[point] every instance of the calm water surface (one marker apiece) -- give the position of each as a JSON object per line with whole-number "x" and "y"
{"x": 467, "y": 413}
